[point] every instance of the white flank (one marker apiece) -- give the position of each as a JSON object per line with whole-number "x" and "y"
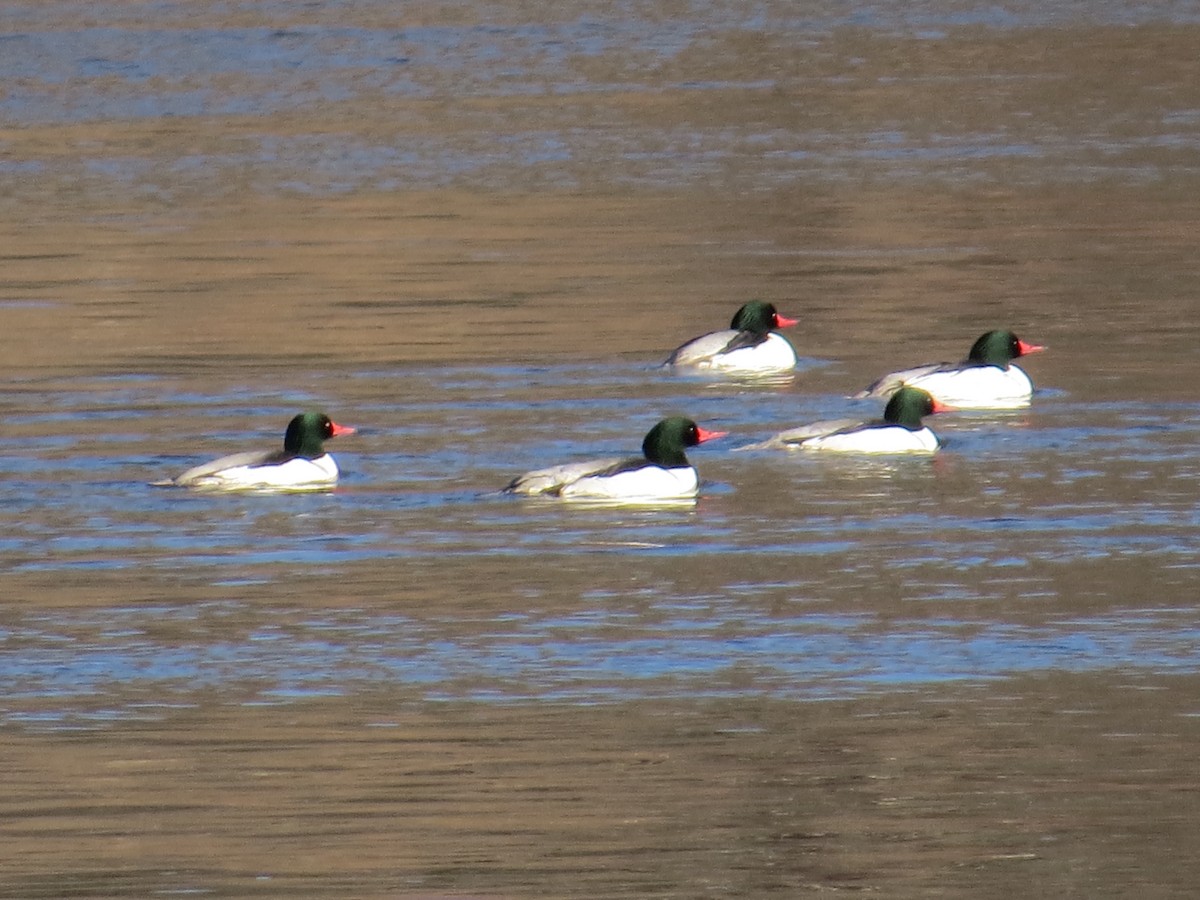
{"x": 772, "y": 355}
{"x": 892, "y": 439}
{"x": 979, "y": 387}
{"x": 645, "y": 483}
{"x": 296, "y": 474}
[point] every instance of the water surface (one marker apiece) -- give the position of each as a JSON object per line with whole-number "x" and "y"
{"x": 473, "y": 232}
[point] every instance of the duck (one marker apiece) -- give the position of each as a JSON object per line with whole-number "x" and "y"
{"x": 899, "y": 431}
{"x": 748, "y": 346}
{"x": 986, "y": 379}
{"x": 662, "y": 472}
{"x": 302, "y": 464}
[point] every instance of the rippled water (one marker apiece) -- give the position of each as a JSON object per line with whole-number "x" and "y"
{"x": 821, "y": 577}
{"x": 499, "y": 95}
{"x": 472, "y": 231}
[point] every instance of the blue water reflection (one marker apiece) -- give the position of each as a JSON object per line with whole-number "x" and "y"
{"x": 1022, "y": 547}
{"x": 172, "y": 67}
{"x": 585, "y": 657}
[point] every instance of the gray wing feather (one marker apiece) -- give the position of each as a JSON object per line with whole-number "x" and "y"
{"x": 889, "y": 384}
{"x": 202, "y": 471}
{"x": 701, "y": 349}
{"x": 547, "y": 481}
{"x": 794, "y": 437}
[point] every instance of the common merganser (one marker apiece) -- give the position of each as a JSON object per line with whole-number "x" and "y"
{"x": 302, "y": 464}
{"x": 986, "y": 379}
{"x": 899, "y": 431}
{"x": 747, "y": 346}
{"x": 662, "y": 472}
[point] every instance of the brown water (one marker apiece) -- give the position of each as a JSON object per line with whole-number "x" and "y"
{"x": 473, "y": 231}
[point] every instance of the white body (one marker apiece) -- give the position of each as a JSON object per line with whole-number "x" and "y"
{"x": 580, "y": 481}
{"x": 886, "y": 439}
{"x": 647, "y": 483}
{"x": 851, "y": 436}
{"x": 246, "y": 471}
{"x": 775, "y": 354}
{"x": 964, "y": 387}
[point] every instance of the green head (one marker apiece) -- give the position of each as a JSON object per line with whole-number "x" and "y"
{"x": 666, "y": 441}
{"x": 760, "y": 318}
{"x": 999, "y": 348}
{"x": 306, "y": 434}
{"x": 908, "y": 405}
